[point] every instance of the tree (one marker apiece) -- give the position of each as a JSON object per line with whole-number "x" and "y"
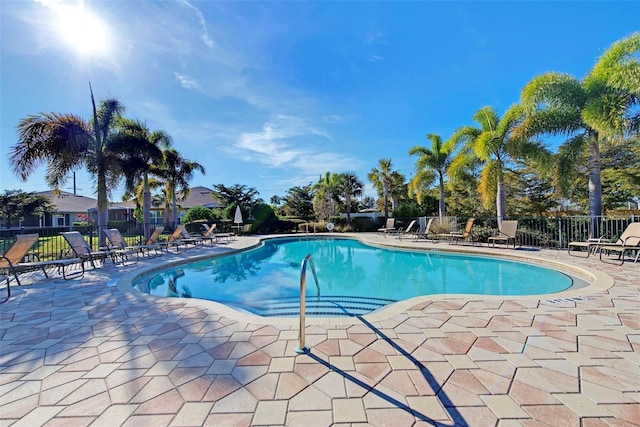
{"x": 381, "y": 177}
{"x": 493, "y": 144}
{"x": 236, "y": 195}
{"x": 177, "y": 172}
{"x": 142, "y": 152}
{"x": 16, "y": 205}
{"x": 350, "y": 186}
{"x": 299, "y": 202}
{"x": 598, "y": 110}
{"x": 66, "y": 142}
{"x": 436, "y": 159}
{"x": 326, "y": 195}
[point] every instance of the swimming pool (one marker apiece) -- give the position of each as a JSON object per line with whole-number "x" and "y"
{"x": 354, "y": 278}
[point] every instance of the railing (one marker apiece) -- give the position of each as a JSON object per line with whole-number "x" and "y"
{"x": 302, "y": 348}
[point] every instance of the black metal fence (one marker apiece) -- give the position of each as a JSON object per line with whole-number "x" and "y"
{"x": 545, "y": 232}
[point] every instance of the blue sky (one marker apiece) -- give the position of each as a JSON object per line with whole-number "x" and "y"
{"x": 273, "y": 94}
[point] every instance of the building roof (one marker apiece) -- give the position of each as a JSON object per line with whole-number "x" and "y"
{"x": 198, "y": 196}
{"x": 69, "y": 202}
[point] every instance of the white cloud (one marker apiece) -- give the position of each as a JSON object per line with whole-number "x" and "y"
{"x": 203, "y": 24}
{"x": 375, "y": 58}
{"x": 186, "y": 81}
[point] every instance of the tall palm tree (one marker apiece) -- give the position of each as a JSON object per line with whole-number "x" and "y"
{"x": 493, "y": 144}
{"x": 142, "y": 153}
{"x": 436, "y": 159}
{"x": 67, "y": 142}
{"x": 177, "y": 172}
{"x": 381, "y": 177}
{"x": 598, "y": 109}
{"x": 350, "y": 186}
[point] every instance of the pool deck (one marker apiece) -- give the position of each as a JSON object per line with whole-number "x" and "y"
{"x": 93, "y": 352}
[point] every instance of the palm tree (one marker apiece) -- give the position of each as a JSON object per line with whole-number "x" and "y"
{"x": 381, "y": 177}
{"x": 66, "y": 142}
{"x": 142, "y": 152}
{"x": 436, "y": 159}
{"x": 493, "y": 144}
{"x": 177, "y": 172}
{"x": 599, "y": 109}
{"x": 350, "y": 186}
{"x": 326, "y": 195}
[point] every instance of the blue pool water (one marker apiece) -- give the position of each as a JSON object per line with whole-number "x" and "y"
{"x": 354, "y": 278}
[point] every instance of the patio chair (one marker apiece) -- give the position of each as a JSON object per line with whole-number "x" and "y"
{"x": 427, "y": 234}
{"x": 629, "y": 241}
{"x": 176, "y": 240}
{"x": 465, "y": 235}
{"x": 507, "y": 232}
{"x": 11, "y": 262}
{"x": 217, "y": 236}
{"x": 389, "y": 227}
{"x": 408, "y": 230}
{"x": 82, "y": 250}
{"x": 120, "y": 247}
{"x": 588, "y": 247}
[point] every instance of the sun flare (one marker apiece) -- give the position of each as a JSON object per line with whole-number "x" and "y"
{"x": 82, "y": 30}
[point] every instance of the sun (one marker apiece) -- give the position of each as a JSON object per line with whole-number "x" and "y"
{"x": 82, "y": 30}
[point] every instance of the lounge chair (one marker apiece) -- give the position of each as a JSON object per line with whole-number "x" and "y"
{"x": 629, "y": 241}
{"x": 427, "y": 234}
{"x": 507, "y": 232}
{"x": 11, "y": 260}
{"x": 82, "y": 250}
{"x": 176, "y": 240}
{"x": 456, "y": 237}
{"x": 389, "y": 227}
{"x": 217, "y": 236}
{"x": 590, "y": 246}
{"x": 119, "y": 245}
{"x": 408, "y": 230}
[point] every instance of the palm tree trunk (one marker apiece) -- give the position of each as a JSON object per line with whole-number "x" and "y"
{"x": 595, "y": 184}
{"x": 146, "y": 207}
{"x": 385, "y": 196}
{"x": 441, "y": 210}
{"x": 174, "y": 206}
{"x": 501, "y": 200}
{"x": 348, "y": 200}
{"x": 103, "y": 206}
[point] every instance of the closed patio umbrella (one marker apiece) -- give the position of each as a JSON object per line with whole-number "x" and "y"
{"x": 238, "y": 218}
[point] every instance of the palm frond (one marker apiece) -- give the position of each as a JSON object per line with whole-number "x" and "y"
{"x": 558, "y": 91}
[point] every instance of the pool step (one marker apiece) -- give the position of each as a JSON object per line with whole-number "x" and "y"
{"x": 330, "y": 305}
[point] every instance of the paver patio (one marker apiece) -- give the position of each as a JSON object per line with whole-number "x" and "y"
{"x": 90, "y": 352}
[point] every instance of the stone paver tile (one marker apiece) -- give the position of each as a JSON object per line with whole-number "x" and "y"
{"x": 153, "y": 388}
{"x": 504, "y": 406}
{"x": 553, "y": 415}
{"x": 166, "y": 403}
{"x": 310, "y": 418}
{"x": 148, "y": 420}
{"x": 162, "y": 368}
{"x": 581, "y": 405}
{"x": 310, "y": 399}
{"x": 230, "y": 420}
{"x": 334, "y": 334}
{"x": 427, "y": 406}
{"x": 240, "y": 336}
{"x": 288, "y": 385}
{"x": 288, "y": 335}
{"x": 332, "y": 384}
{"x": 400, "y": 362}
{"x": 42, "y": 372}
{"x": 38, "y": 416}
{"x": 264, "y": 388}
{"x": 90, "y": 388}
{"x": 114, "y": 415}
{"x": 400, "y": 381}
{"x": 102, "y": 371}
{"x": 460, "y": 361}
{"x": 282, "y": 364}
{"x": 602, "y": 394}
{"x": 238, "y": 401}
{"x": 222, "y": 367}
{"x": 270, "y": 413}
{"x": 348, "y": 410}
{"x": 344, "y": 363}
{"x": 246, "y": 374}
{"x": 627, "y": 412}
{"x": 192, "y": 414}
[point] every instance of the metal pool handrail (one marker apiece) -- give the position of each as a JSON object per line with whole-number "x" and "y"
{"x": 302, "y": 348}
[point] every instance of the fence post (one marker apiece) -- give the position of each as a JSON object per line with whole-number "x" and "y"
{"x": 559, "y": 233}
